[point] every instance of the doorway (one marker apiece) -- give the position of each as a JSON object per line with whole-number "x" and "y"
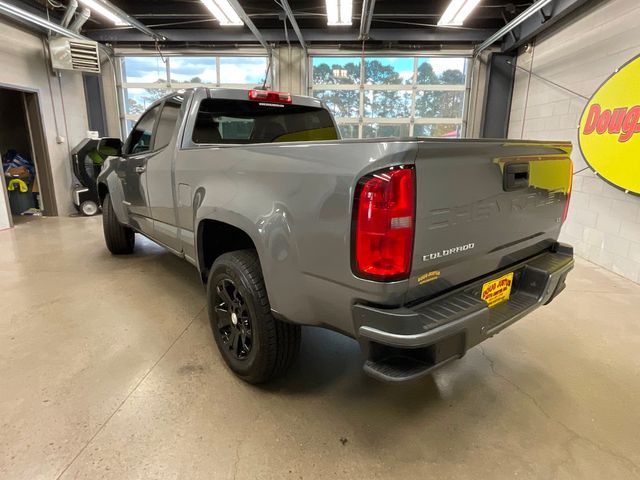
{"x": 27, "y": 176}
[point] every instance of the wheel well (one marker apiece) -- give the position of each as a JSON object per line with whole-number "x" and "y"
{"x": 216, "y": 238}
{"x": 102, "y": 192}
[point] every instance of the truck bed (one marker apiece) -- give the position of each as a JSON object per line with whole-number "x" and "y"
{"x": 300, "y": 196}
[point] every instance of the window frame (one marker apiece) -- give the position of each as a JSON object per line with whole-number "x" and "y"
{"x": 361, "y": 120}
{"x": 177, "y": 122}
{"x": 125, "y": 153}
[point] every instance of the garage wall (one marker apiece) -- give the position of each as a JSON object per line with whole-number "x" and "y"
{"x": 62, "y": 102}
{"x": 580, "y": 53}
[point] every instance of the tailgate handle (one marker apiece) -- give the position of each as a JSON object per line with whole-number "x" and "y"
{"x": 516, "y": 176}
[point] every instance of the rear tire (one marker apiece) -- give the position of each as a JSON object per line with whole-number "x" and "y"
{"x": 119, "y": 238}
{"x": 255, "y": 346}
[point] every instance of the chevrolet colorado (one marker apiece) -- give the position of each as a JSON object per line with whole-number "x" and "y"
{"x": 418, "y": 248}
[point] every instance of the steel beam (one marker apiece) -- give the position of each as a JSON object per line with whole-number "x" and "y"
{"x": 365, "y": 18}
{"x": 131, "y": 21}
{"x": 219, "y": 35}
{"x": 29, "y": 18}
{"x": 29, "y": 15}
{"x": 294, "y": 23}
{"x": 168, "y": 12}
{"x": 249, "y": 23}
{"x": 528, "y": 13}
{"x": 498, "y": 92}
{"x": 536, "y": 24}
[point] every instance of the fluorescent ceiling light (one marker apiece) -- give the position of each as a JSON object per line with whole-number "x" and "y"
{"x": 457, "y": 12}
{"x": 339, "y": 12}
{"x": 223, "y": 11}
{"x": 99, "y": 8}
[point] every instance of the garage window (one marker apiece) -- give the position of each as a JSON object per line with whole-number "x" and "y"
{"x": 392, "y": 96}
{"x": 145, "y": 79}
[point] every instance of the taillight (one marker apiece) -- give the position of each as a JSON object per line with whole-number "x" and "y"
{"x": 383, "y": 224}
{"x": 570, "y": 186}
{"x": 269, "y": 96}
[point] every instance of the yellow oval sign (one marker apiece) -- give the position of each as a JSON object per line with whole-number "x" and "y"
{"x": 609, "y": 135}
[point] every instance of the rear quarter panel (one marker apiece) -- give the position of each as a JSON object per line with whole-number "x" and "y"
{"x": 294, "y": 200}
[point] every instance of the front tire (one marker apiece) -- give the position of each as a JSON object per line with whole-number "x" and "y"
{"x": 256, "y": 346}
{"x": 119, "y": 238}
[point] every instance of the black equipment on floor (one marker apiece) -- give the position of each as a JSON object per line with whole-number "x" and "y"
{"x": 87, "y": 159}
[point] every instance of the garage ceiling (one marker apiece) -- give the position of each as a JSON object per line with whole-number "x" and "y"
{"x": 405, "y": 24}
{"x": 395, "y": 24}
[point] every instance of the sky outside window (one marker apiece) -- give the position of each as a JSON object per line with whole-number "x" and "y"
{"x": 245, "y": 70}
{"x": 388, "y": 71}
{"x": 144, "y": 70}
{"x": 138, "y": 99}
{"x": 193, "y": 70}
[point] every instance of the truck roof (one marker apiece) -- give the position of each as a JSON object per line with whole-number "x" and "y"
{"x": 243, "y": 94}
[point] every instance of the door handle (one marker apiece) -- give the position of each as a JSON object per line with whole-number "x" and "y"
{"x": 515, "y": 177}
{"x": 140, "y": 169}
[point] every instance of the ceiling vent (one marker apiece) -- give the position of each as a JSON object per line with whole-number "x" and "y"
{"x": 73, "y": 54}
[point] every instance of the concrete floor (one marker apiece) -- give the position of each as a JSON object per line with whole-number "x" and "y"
{"x": 108, "y": 370}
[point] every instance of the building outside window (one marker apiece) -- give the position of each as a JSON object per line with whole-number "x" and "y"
{"x": 392, "y": 96}
{"x": 146, "y": 79}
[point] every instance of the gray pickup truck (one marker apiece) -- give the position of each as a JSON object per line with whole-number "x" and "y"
{"x": 418, "y": 248}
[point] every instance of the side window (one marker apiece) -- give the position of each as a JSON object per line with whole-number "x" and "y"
{"x": 140, "y": 137}
{"x": 167, "y": 122}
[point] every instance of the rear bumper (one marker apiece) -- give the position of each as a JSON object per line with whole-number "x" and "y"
{"x": 408, "y": 342}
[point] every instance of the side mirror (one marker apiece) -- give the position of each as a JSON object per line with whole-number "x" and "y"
{"x": 110, "y": 147}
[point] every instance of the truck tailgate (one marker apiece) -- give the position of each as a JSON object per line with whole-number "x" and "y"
{"x": 482, "y": 206}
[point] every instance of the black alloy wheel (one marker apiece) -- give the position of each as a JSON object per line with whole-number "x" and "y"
{"x": 253, "y": 343}
{"x": 233, "y": 319}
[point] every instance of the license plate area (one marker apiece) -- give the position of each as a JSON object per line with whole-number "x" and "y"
{"x": 497, "y": 291}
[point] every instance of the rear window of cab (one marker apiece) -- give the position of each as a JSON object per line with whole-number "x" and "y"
{"x": 222, "y": 121}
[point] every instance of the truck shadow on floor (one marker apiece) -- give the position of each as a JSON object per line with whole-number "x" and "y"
{"x": 330, "y": 364}
{"x": 326, "y": 357}
{"x": 330, "y": 360}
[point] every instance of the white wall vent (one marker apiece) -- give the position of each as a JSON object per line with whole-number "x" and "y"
{"x": 72, "y": 54}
